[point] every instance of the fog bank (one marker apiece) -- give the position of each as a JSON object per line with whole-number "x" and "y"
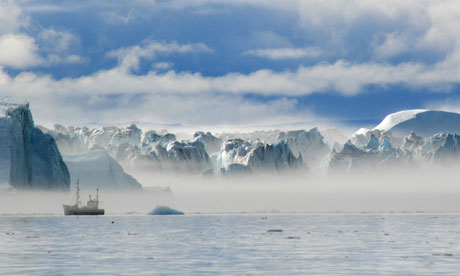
{"x": 422, "y": 190}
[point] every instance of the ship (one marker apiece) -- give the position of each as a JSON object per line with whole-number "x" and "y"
{"x": 77, "y": 209}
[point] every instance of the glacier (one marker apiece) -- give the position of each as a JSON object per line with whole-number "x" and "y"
{"x": 238, "y": 156}
{"x": 409, "y": 138}
{"x": 422, "y": 121}
{"x": 306, "y": 144}
{"x": 96, "y": 169}
{"x": 29, "y": 158}
{"x": 211, "y": 143}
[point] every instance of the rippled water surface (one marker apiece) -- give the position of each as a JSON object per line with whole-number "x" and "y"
{"x": 310, "y": 244}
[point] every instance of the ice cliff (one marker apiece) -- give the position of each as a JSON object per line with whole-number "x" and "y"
{"x": 211, "y": 143}
{"x": 406, "y": 138}
{"x": 29, "y": 159}
{"x": 375, "y": 154}
{"x": 238, "y": 156}
{"x": 135, "y": 150}
{"x": 97, "y": 169}
{"x": 306, "y": 144}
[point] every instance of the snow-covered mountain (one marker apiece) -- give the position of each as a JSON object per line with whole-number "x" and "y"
{"x": 423, "y": 122}
{"x": 29, "y": 159}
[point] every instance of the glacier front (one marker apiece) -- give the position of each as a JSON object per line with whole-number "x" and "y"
{"x": 29, "y": 159}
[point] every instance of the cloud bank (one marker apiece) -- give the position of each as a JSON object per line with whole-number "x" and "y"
{"x": 339, "y": 47}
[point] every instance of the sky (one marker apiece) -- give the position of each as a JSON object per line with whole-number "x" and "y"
{"x": 208, "y": 63}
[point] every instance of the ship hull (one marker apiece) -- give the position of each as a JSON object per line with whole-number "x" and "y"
{"x": 72, "y": 210}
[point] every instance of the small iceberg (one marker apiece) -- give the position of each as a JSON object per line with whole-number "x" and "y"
{"x": 164, "y": 210}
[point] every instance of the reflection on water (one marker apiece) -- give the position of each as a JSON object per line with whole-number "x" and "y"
{"x": 309, "y": 244}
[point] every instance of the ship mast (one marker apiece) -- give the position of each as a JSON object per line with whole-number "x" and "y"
{"x": 97, "y": 198}
{"x": 78, "y": 192}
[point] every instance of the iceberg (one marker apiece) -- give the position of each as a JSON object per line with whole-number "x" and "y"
{"x": 153, "y": 137}
{"x": 29, "y": 158}
{"x": 445, "y": 146}
{"x": 211, "y": 143}
{"x": 363, "y": 136}
{"x": 96, "y": 169}
{"x": 413, "y": 142}
{"x": 333, "y": 136}
{"x": 133, "y": 150}
{"x": 235, "y": 169}
{"x": 306, "y": 144}
{"x": 69, "y": 140}
{"x": 187, "y": 156}
{"x": 273, "y": 157}
{"x": 259, "y": 152}
{"x": 373, "y": 143}
{"x": 373, "y": 155}
{"x": 165, "y": 210}
{"x": 234, "y": 151}
{"x": 255, "y": 157}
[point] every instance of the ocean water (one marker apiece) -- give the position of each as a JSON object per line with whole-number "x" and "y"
{"x": 299, "y": 244}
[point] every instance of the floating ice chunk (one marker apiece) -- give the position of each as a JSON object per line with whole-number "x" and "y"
{"x": 164, "y": 210}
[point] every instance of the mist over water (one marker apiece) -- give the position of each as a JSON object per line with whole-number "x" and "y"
{"x": 364, "y": 192}
{"x": 431, "y": 189}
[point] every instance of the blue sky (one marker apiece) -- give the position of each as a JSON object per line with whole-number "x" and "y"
{"x": 229, "y": 63}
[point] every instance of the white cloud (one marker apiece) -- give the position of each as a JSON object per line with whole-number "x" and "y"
{"x": 112, "y": 17}
{"x": 11, "y": 17}
{"x": 394, "y": 44}
{"x": 58, "y": 47}
{"x": 129, "y": 58}
{"x": 450, "y": 105}
{"x": 162, "y": 65}
{"x": 66, "y": 101}
{"x": 183, "y": 4}
{"x": 23, "y": 51}
{"x": 384, "y": 29}
{"x": 52, "y": 40}
{"x": 53, "y": 59}
{"x": 186, "y": 97}
{"x": 19, "y": 51}
{"x": 444, "y": 27}
{"x": 343, "y": 77}
{"x": 285, "y": 53}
